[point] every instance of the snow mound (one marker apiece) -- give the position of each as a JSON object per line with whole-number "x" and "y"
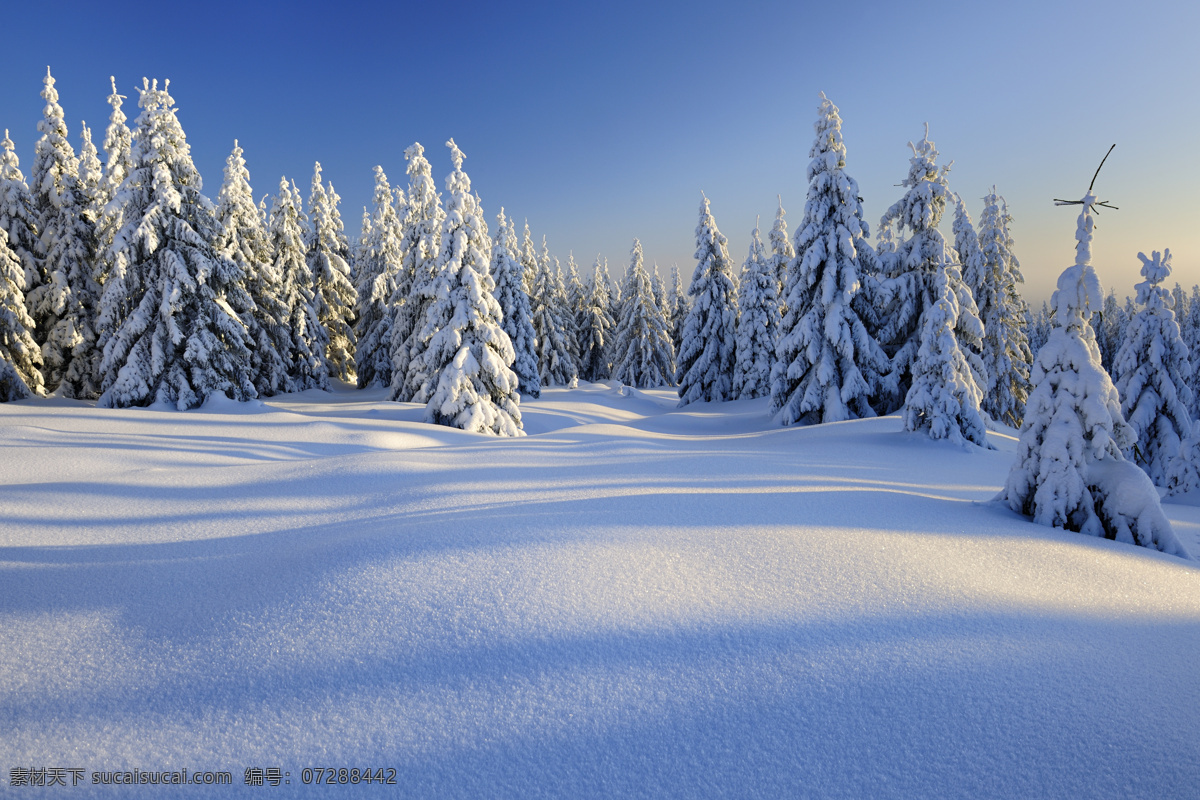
{"x": 640, "y": 602}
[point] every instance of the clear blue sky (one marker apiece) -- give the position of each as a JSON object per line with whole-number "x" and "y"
{"x": 603, "y": 121}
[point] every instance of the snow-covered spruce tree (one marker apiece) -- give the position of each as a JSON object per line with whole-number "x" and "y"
{"x": 966, "y": 244}
{"x": 596, "y": 328}
{"x": 1109, "y": 326}
{"x": 179, "y": 342}
{"x": 468, "y": 356}
{"x": 1152, "y": 374}
{"x": 677, "y": 307}
{"x": 422, "y": 247}
{"x": 828, "y": 364}
{"x": 91, "y": 175}
{"x": 943, "y": 400}
{"x": 516, "y": 318}
{"x": 333, "y": 293}
{"x": 642, "y": 354}
{"x": 659, "y": 289}
{"x": 569, "y": 313}
{"x": 18, "y": 219}
{"x": 758, "y": 324}
{"x": 1180, "y": 303}
{"x": 614, "y": 290}
{"x": 63, "y": 307}
{"x": 117, "y": 146}
{"x": 616, "y": 310}
{"x": 782, "y": 254}
{"x": 1040, "y": 325}
{"x": 20, "y": 358}
{"x": 1069, "y": 472}
{"x": 380, "y": 258}
{"x": 553, "y": 327}
{"x": 117, "y": 143}
{"x": 908, "y": 288}
{"x": 1006, "y": 353}
{"x": 705, "y": 365}
{"x": 1190, "y": 330}
{"x": 242, "y": 238}
{"x": 529, "y": 260}
{"x": 576, "y": 299}
{"x": 305, "y": 361}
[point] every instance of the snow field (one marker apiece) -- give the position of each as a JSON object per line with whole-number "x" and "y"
{"x": 632, "y": 601}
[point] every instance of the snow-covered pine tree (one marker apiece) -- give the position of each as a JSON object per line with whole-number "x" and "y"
{"x": 1039, "y": 326}
{"x": 305, "y": 360}
{"x": 422, "y": 247}
{"x": 1069, "y": 471}
{"x": 242, "y": 238}
{"x": 677, "y": 307}
{"x": 1190, "y": 330}
{"x": 569, "y": 313}
{"x": 758, "y": 324}
{"x": 468, "y": 356}
{"x": 176, "y": 338}
{"x": 1152, "y": 374}
{"x": 782, "y": 254}
{"x": 828, "y": 365}
{"x": 659, "y": 289}
{"x": 1109, "y": 326}
{"x": 516, "y": 318}
{"x": 117, "y": 143}
{"x": 576, "y": 299}
{"x": 1179, "y": 300}
{"x": 529, "y": 261}
{"x": 333, "y": 293}
{"x": 91, "y": 175}
{"x": 908, "y": 289}
{"x": 63, "y": 307}
{"x": 1006, "y": 353}
{"x": 705, "y": 365}
{"x": 642, "y": 354}
{"x": 380, "y": 261}
{"x": 943, "y": 400}
{"x": 966, "y": 244}
{"x": 18, "y": 219}
{"x": 616, "y": 307}
{"x": 20, "y": 357}
{"x": 597, "y": 328}
{"x": 553, "y": 326}
{"x": 117, "y": 146}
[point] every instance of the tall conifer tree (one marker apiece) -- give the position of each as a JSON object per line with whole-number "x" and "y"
{"x": 177, "y": 340}
{"x": 20, "y": 357}
{"x": 642, "y": 353}
{"x": 334, "y": 294}
{"x": 911, "y": 271}
{"x": 242, "y": 238}
{"x": 422, "y": 248}
{"x": 1006, "y": 353}
{"x": 828, "y": 365}
{"x": 379, "y": 263}
{"x": 63, "y": 307}
{"x": 1152, "y": 374}
{"x": 515, "y": 315}
{"x": 305, "y": 360}
{"x": 597, "y": 328}
{"x": 553, "y": 325}
{"x": 18, "y": 218}
{"x": 468, "y": 356}
{"x": 705, "y": 364}
{"x": 758, "y": 325}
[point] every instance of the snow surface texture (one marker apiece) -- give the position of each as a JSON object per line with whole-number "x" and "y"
{"x": 632, "y": 601}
